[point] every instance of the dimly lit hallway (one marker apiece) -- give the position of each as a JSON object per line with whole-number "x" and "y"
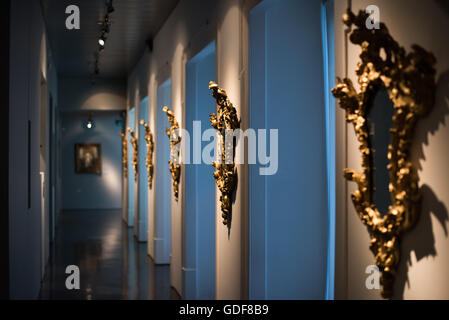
{"x": 113, "y": 265}
{"x": 224, "y": 150}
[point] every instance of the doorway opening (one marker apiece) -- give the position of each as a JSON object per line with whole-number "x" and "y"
{"x": 199, "y": 255}
{"x": 291, "y": 212}
{"x": 162, "y": 230}
{"x": 131, "y": 177}
{"x": 141, "y": 221}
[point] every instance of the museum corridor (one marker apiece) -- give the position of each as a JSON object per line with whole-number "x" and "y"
{"x": 224, "y": 150}
{"x": 114, "y": 265}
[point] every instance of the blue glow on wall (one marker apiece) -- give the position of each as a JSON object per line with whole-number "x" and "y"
{"x": 327, "y": 29}
{"x": 91, "y": 191}
{"x": 131, "y": 180}
{"x": 142, "y": 221}
{"x": 200, "y": 184}
{"x": 163, "y": 178}
{"x": 289, "y": 211}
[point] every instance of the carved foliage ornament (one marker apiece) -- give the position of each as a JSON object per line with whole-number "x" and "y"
{"x": 225, "y": 121}
{"x": 124, "y": 153}
{"x": 150, "y": 148}
{"x": 135, "y": 152}
{"x": 409, "y": 79}
{"x": 173, "y": 135}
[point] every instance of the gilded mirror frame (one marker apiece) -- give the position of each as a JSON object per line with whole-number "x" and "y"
{"x": 150, "y": 148}
{"x": 225, "y": 121}
{"x": 409, "y": 79}
{"x": 124, "y": 153}
{"x": 135, "y": 159}
{"x": 173, "y": 136}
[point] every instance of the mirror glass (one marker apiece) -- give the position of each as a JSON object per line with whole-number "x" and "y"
{"x": 380, "y": 120}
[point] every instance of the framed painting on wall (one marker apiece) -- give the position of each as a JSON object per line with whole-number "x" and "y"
{"x": 88, "y": 158}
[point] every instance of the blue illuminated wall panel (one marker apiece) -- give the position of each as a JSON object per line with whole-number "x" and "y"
{"x": 200, "y": 184}
{"x": 163, "y": 178}
{"x": 289, "y": 212}
{"x": 131, "y": 181}
{"x": 142, "y": 221}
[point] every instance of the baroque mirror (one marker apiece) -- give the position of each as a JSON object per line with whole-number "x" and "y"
{"x": 135, "y": 160}
{"x": 380, "y": 120}
{"x": 175, "y": 139}
{"x": 396, "y": 89}
{"x": 225, "y": 121}
{"x": 150, "y": 148}
{"x": 124, "y": 153}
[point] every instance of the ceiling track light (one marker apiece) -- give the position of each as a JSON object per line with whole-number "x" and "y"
{"x": 90, "y": 123}
{"x": 104, "y": 31}
{"x": 102, "y": 39}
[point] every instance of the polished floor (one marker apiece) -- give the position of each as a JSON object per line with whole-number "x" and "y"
{"x": 112, "y": 264}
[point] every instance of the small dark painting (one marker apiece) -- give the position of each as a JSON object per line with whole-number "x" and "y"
{"x": 88, "y": 158}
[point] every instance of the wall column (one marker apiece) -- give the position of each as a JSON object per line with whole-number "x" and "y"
{"x": 232, "y": 75}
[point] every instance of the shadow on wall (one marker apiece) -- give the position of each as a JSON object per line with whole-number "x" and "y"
{"x": 420, "y": 239}
{"x": 444, "y": 5}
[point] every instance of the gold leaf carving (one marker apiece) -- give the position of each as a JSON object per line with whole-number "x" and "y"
{"x": 224, "y": 121}
{"x": 173, "y": 135}
{"x": 135, "y": 160}
{"x": 409, "y": 79}
{"x": 150, "y": 148}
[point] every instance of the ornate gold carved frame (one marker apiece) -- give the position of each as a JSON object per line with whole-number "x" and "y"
{"x": 124, "y": 153}
{"x": 135, "y": 153}
{"x": 225, "y": 172}
{"x": 173, "y": 136}
{"x": 409, "y": 79}
{"x": 150, "y": 148}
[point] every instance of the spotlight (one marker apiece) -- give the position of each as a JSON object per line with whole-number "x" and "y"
{"x": 90, "y": 123}
{"x": 101, "y": 40}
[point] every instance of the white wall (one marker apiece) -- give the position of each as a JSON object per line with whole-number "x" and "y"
{"x": 79, "y": 93}
{"x": 422, "y": 273}
{"x": 191, "y": 26}
{"x": 232, "y": 75}
{"x": 28, "y": 37}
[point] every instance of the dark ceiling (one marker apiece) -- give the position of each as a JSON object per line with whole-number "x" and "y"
{"x": 132, "y": 23}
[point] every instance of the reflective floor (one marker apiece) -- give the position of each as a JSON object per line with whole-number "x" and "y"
{"x": 112, "y": 264}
